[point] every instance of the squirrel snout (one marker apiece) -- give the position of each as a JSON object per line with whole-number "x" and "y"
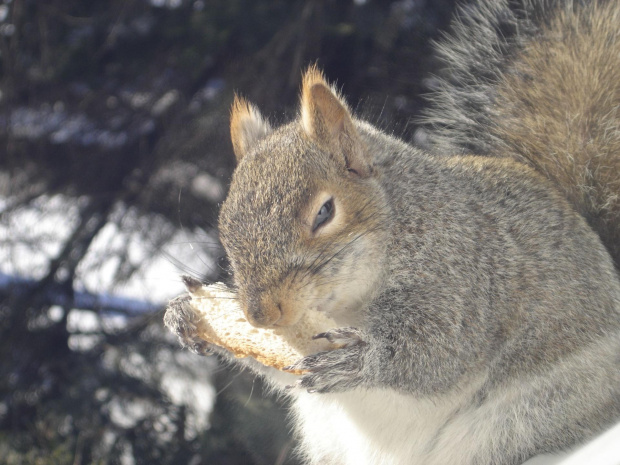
{"x": 276, "y": 307}
{"x": 263, "y": 311}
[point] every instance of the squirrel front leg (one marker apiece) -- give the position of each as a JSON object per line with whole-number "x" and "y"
{"x": 425, "y": 353}
{"x": 335, "y": 370}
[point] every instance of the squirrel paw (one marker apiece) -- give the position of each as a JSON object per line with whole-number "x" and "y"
{"x": 181, "y": 319}
{"x": 334, "y": 370}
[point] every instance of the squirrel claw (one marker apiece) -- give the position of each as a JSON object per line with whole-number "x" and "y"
{"x": 296, "y": 384}
{"x": 342, "y": 337}
{"x": 182, "y": 321}
{"x": 191, "y": 284}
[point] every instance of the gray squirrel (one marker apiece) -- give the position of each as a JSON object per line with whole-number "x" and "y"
{"x": 478, "y": 310}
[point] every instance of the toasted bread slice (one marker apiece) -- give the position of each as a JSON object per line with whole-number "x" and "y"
{"x": 219, "y": 320}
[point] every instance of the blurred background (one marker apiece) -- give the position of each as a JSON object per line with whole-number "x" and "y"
{"x": 114, "y": 156}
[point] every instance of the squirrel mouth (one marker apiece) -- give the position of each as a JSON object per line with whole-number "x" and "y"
{"x": 288, "y": 317}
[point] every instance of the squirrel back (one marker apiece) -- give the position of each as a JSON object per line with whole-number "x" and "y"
{"x": 539, "y": 83}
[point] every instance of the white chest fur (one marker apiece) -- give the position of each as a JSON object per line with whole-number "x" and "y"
{"x": 376, "y": 427}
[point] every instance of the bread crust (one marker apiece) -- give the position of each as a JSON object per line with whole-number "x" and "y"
{"x": 221, "y": 321}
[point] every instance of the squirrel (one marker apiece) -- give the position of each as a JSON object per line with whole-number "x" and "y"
{"x": 478, "y": 307}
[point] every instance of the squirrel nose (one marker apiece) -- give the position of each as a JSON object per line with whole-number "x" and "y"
{"x": 264, "y": 311}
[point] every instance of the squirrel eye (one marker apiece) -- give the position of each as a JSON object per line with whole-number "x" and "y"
{"x": 324, "y": 214}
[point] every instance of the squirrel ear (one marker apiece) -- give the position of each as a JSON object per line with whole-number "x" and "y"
{"x": 247, "y": 126}
{"x": 327, "y": 120}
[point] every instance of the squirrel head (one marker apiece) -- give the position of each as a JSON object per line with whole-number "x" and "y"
{"x": 305, "y": 221}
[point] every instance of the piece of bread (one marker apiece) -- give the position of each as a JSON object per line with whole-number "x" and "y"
{"x": 220, "y": 320}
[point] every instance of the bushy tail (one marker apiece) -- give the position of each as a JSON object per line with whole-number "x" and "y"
{"x": 539, "y": 81}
